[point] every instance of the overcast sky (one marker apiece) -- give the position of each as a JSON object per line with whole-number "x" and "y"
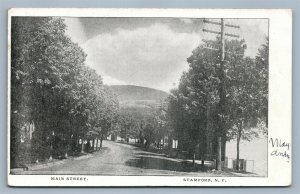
{"x": 150, "y": 52}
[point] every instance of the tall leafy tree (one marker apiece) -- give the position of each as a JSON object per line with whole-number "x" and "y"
{"x": 249, "y": 98}
{"x": 42, "y": 60}
{"x": 52, "y": 88}
{"x": 196, "y": 102}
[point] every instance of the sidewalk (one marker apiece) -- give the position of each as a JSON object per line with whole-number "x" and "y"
{"x": 47, "y": 164}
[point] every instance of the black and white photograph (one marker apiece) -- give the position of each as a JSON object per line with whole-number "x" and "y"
{"x": 132, "y": 96}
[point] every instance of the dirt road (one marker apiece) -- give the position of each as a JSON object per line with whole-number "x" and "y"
{"x": 122, "y": 159}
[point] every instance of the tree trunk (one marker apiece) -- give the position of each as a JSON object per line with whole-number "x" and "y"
{"x": 70, "y": 145}
{"x": 93, "y": 146}
{"x": 101, "y": 140}
{"x": 219, "y": 157}
{"x": 82, "y": 146}
{"x": 97, "y": 141}
{"x": 238, "y": 149}
{"x": 51, "y": 151}
{"x": 202, "y": 147}
{"x": 51, "y": 147}
{"x": 77, "y": 140}
{"x": 194, "y": 158}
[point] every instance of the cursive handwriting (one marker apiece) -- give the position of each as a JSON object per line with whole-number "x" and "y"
{"x": 281, "y": 148}
{"x": 278, "y": 143}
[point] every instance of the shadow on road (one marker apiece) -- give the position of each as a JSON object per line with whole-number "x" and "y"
{"x": 148, "y": 161}
{"x": 150, "y": 154}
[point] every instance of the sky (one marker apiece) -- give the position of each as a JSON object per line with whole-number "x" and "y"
{"x": 151, "y": 52}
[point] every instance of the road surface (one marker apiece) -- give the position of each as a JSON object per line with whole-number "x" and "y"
{"x": 123, "y": 159}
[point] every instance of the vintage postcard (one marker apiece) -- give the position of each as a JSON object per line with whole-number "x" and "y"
{"x": 149, "y": 97}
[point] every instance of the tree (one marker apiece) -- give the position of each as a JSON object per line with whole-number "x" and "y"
{"x": 52, "y": 88}
{"x": 186, "y": 117}
{"x": 44, "y": 63}
{"x": 195, "y": 109}
{"x": 97, "y": 103}
{"x": 163, "y": 128}
{"x": 248, "y": 97}
{"x": 243, "y": 102}
{"x": 131, "y": 121}
{"x": 109, "y": 116}
{"x": 262, "y": 65}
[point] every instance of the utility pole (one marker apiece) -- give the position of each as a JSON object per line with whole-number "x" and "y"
{"x": 222, "y": 92}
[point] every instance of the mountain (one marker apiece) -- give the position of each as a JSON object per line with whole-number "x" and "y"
{"x": 131, "y": 92}
{"x": 137, "y": 96}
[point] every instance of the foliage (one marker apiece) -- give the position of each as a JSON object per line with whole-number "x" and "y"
{"x": 195, "y": 109}
{"x": 53, "y": 88}
{"x": 148, "y": 125}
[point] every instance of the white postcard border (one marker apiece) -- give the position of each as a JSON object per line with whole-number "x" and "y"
{"x": 280, "y": 102}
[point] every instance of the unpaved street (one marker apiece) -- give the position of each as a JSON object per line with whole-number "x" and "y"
{"x": 122, "y": 159}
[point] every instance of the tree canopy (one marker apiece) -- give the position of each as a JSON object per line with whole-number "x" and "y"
{"x": 195, "y": 111}
{"x": 52, "y": 87}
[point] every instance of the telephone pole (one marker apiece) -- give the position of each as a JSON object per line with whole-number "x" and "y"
{"x": 222, "y": 92}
